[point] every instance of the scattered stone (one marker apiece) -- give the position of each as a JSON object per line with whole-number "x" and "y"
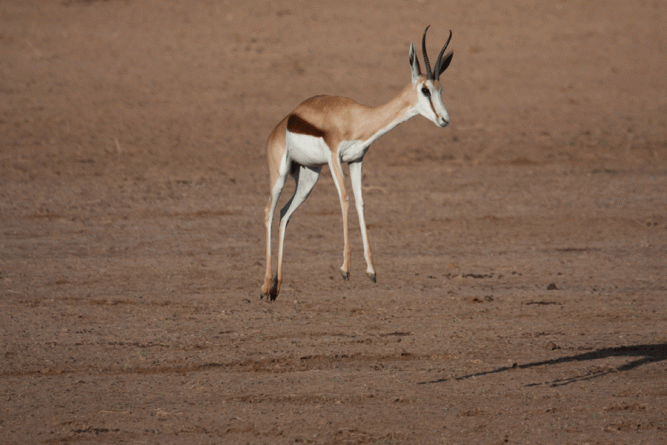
{"x": 551, "y": 346}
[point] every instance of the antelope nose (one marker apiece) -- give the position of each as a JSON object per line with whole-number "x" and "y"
{"x": 443, "y": 122}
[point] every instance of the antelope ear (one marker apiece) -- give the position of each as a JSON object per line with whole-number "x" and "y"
{"x": 445, "y": 62}
{"x": 414, "y": 64}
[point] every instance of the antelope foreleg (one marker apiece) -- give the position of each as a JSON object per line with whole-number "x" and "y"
{"x": 339, "y": 180}
{"x": 355, "y": 178}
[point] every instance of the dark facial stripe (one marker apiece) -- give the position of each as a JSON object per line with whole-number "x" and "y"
{"x": 430, "y": 101}
{"x": 295, "y": 124}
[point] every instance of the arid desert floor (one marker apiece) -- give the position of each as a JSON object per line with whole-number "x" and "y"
{"x": 520, "y": 251}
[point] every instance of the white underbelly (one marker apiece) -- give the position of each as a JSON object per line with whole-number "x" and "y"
{"x": 312, "y": 151}
{"x": 307, "y": 150}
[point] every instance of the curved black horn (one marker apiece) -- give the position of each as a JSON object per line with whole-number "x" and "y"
{"x": 439, "y": 61}
{"x": 429, "y": 73}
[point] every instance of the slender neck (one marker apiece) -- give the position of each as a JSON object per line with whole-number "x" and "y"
{"x": 377, "y": 121}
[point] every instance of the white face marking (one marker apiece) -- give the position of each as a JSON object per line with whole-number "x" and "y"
{"x": 430, "y": 104}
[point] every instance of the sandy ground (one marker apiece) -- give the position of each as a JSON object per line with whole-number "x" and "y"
{"x": 520, "y": 252}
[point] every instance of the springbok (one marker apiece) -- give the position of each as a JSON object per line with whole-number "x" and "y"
{"x": 329, "y": 130}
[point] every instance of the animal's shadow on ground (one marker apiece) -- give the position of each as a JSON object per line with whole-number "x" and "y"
{"x": 644, "y": 354}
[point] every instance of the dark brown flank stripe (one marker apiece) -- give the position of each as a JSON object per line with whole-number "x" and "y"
{"x": 296, "y": 124}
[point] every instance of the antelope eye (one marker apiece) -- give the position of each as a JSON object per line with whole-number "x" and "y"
{"x": 426, "y": 92}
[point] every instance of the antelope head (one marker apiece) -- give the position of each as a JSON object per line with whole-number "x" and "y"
{"x": 427, "y": 86}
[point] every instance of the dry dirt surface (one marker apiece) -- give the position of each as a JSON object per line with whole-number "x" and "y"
{"x": 520, "y": 252}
